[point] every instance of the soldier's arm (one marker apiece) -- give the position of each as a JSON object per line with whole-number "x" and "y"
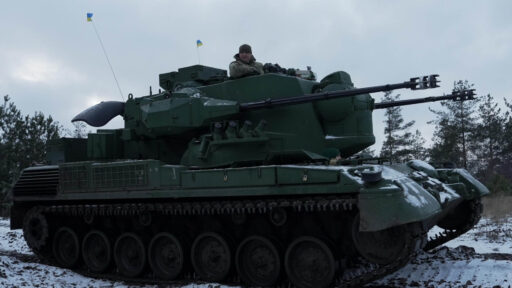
{"x": 237, "y": 70}
{"x": 259, "y": 67}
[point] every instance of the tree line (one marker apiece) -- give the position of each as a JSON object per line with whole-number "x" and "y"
{"x": 473, "y": 134}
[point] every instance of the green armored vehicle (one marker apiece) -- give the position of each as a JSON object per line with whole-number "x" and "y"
{"x": 230, "y": 181}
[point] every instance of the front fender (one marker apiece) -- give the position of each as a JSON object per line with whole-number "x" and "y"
{"x": 395, "y": 201}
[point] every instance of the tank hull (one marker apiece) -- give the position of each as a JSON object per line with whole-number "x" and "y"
{"x": 213, "y": 221}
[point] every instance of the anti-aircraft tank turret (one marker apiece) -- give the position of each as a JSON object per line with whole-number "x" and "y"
{"x": 224, "y": 179}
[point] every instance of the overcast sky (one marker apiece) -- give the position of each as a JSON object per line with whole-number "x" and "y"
{"x": 51, "y": 60}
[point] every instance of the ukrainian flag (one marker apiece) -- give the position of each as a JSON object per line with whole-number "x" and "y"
{"x": 89, "y": 17}
{"x": 199, "y": 43}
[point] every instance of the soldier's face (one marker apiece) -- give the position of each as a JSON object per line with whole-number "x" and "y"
{"x": 246, "y": 57}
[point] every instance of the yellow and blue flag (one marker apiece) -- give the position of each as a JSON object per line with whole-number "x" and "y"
{"x": 199, "y": 43}
{"x": 89, "y": 17}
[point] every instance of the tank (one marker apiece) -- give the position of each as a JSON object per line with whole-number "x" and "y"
{"x": 230, "y": 181}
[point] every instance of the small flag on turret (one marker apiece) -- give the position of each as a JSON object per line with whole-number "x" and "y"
{"x": 199, "y": 43}
{"x": 89, "y": 17}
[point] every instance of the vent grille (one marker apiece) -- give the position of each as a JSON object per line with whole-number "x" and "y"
{"x": 74, "y": 178}
{"x": 37, "y": 181}
{"x": 120, "y": 176}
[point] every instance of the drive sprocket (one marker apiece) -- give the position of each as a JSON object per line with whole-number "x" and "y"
{"x": 36, "y": 229}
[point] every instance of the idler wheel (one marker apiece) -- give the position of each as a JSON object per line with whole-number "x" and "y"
{"x": 166, "y": 256}
{"x": 258, "y": 262}
{"x": 97, "y": 251}
{"x": 211, "y": 257}
{"x": 130, "y": 255}
{"x": 66, "y": 247}
{"x": 381, "y": 247}
{"x": 309, "y": 262}
{"x": 35, "y": 229}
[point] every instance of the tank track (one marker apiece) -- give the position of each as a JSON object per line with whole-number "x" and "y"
{"x": 359, "y": 273}
{"x": 447, "y": 234}
{"x": 205, "y": 208}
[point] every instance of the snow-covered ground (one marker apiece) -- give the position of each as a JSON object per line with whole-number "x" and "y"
{"x": 490, "y": 236}
{"x": 480, "y": 258}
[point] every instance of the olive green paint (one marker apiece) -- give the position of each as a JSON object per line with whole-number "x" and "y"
{"x": 194, "y": 140}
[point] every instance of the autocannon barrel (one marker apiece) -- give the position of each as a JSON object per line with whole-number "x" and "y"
{"x": 417, "y": 83}
{"x": 461, "y": 95}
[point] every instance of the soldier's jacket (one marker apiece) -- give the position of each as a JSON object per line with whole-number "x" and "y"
{"x": 239, "y": 68}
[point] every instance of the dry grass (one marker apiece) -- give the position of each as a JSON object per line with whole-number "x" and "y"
{"x": 497, "y": 207}
{"x": 498, "y": 211}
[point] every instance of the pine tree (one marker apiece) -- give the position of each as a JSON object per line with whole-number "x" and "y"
{"x": 22, "y": 142}
{"x": 489, "y": 136}
{"x": 396, "y": 146}
{"x": 506, "y": 149}
{"x": 417, "y": 148}
{"x": 455, "y": 127}
{"x": 10, "y": 126}
{"x": 507, "y": 132}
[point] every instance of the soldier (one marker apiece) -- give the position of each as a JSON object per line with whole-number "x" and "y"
{"x": 245, "y": 64}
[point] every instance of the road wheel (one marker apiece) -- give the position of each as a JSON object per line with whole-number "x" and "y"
{"x": 130, "y": 255}
{"x": 309, "y": 262}
{"x": 96, "y": 251}
{"x": 66, "y": 247}
{"x": 211, "y": 257}
{"x": 258, "y": 262}
{"x": 166, "y": 256}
